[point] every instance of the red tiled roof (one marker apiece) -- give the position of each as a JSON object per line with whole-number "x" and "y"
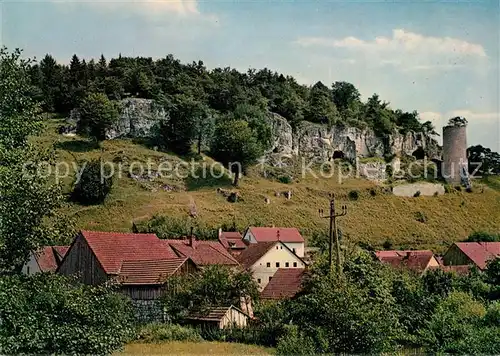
{"x": 112, "y": 248}
{"x": 254, "y": 252}
{"x": 285, "y": 283}
{"x": 203, "y": 252}
{"x": 416, "y": 260}
{"x": 480, "y": 252}
{"x": 61, "y": 251}
{"x": 283, "y": 234}
{"x": 232, "y": 235}
{"x": 232, "y": 242}
{"x": 46, "y": 259}
{"x": 49, "y": 257}
{"x": 149, "y": 272}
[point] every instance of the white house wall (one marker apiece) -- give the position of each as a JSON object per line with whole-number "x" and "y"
{"x": 260, "y": 270}
{"x": 31, "y": 267}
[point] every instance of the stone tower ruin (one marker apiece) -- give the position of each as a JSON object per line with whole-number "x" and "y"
{"x": 455, "y": 166}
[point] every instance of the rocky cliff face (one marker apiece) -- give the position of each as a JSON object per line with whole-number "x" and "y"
{"x": 141, "y": 117}
{"x": 138, "y": 118}
{"x": 320, "y": 142}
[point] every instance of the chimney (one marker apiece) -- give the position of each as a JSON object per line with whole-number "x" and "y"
{"x": 220, "y": 232}
{"x": 192, "y": 239}
{"x": 278, "y": 234}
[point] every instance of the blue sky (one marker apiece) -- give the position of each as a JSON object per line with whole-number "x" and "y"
{"x": 439, "y": 58}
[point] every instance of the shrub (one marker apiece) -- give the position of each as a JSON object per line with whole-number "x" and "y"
{"x": 417, "y": 194}
{"x": 420, "y": 217}
{"x": 52, "y": 314}
{"x": 156, "y": 332}
{"x": 93, "y": 186}
{"x": 387, "y": 245}
{"x": 458, "y": 188}
{"x": 285, "y": 179}
{"x": 373, "y": 192}
{"x": 469, "y": 190}
{"x": 483, "y": 236}
{"x": 295, "y": 343}
{"x": 353, "y": 195}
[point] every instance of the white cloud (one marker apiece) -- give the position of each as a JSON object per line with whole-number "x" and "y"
{"x": 407, "y": 50}
{"x": 153, "y": 9}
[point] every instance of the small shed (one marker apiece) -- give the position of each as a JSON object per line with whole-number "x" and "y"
{"x": 219, "y": 317}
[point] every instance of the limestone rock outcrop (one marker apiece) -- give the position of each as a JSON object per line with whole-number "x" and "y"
{"x": 138, "y": 118}
{"x": 315, "y": 141}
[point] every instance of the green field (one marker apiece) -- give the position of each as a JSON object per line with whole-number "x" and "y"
{"x": 373, "y": 218}
{"x": 194, "y": 348}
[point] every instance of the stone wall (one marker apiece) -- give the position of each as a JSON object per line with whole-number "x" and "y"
{"x": 147, "y": 311}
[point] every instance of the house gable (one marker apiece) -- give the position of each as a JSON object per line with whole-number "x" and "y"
{"x": 81, "y": 261}
{"x": 279, "y": 252}
{"x": 249, "y": 238}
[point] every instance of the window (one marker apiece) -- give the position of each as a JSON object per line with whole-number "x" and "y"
{"x": 281, "y": 247}
{"x": 287, "y": 264}
{"x": 269, "y": 264}
{"x": 277, "y": 247}
{"x": 293, "y": 249}
{"x": 258, "y": 280}
{"x": 270, "y": 279}
{"x": 295, "y": 264}
{"x": 277, "y": 264}
{"x": 28, "y": 270}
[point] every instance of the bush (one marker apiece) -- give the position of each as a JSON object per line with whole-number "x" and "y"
{"x": 92, "y": 187}
{"x": 373, "y": 192}
{"x": 295, "y": 343}
{"x": 285, "y": 179}
{"x": 483, "y": 236}
{"x": 156, "y": 332}
{"x": 353, "y": 195}
{"x": 420, "y": 217}
{"x": 52, "y": 314}
{"x": 417, "y": 194}
{"x": 458, "y": 188}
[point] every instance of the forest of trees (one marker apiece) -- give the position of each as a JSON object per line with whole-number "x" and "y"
{"x": 201, "y": 97}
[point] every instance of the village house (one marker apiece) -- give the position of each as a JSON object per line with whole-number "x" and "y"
{"x": 219, "y": 317}
{"x": 290, "y": 236}
{"x": 471, "y": 254}
{"x": 202, "y": 253}
{"x": 232, "y": 241}
{"x": 263, "y": 259}
{"x": 418, "y": 261}
{"x": 140, "y": 263}
{"x": 46, "y": 259}
{"x": 285, "y": 284}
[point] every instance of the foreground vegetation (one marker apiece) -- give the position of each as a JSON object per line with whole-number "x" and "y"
{"x": 194, "y": 348}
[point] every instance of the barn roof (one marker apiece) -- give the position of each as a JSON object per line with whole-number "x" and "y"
{"x": 285, "y": 283}
{"x": 149, "y": 272}
{"x": 283, "y": 234}
{"x": 213, "y": 313}
{"x": 416, "y": 260}
{"x": 232, "y": 240}
{"x": 480, "y": 252}
{"x": 202, "y": 252}
{"x": 254, "y": 252}
{"x": 112, "y": 248}
{"x": 49, "y": 257}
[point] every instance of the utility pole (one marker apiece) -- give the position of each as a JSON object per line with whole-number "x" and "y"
{"x": 333, "y": 235}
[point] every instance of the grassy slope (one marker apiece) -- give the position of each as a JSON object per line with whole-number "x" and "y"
{"x": 371, "y": 219}
{"x": 194, "y": 348}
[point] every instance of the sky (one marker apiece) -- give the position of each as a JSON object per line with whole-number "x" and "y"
{"x": 440, "y": 58}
